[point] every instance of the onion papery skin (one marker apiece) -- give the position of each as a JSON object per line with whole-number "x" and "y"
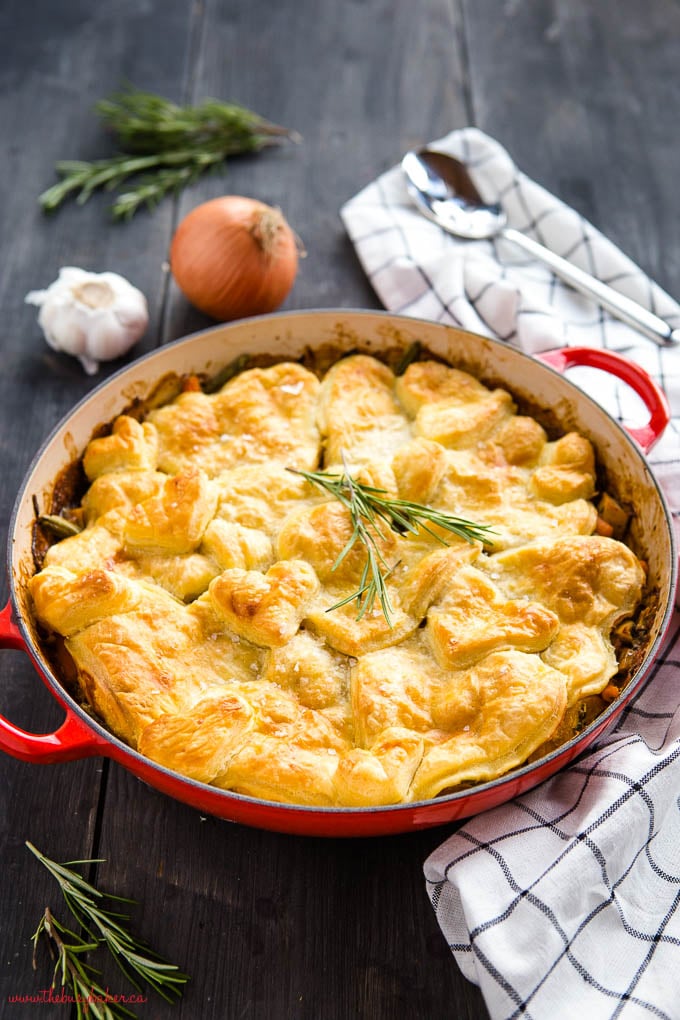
{"x": 233, "y": 257}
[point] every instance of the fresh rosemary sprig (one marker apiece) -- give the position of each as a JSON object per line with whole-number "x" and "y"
{"x": 368, "y": 506}
{"x": 357, "y": 499}
{"x": 144, "y": 122}
{"x": 103, "y": 926}
{"x": 73, "y": 973}
{"x": 170, "y": 146}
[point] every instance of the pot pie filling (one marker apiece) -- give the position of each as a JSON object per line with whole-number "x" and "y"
{"x": 200, "y": 601}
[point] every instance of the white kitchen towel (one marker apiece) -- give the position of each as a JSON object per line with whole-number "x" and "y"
{"x": 566, "y": 902}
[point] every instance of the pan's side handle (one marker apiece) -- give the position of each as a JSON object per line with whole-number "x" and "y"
{"x": 651, "y": 395}
{"x": 71, "y": 741}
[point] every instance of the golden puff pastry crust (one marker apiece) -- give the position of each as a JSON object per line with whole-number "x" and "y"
{"x": 496, "y": 714}
{"x": 200, "y": 741}
{"x": 174, "y": 519}
{"x": 131, "y": 446}
{"x": 209, "y": 604}
{"x": 474, "y": 619}
{"x": 359, "y": 414}
{"x": 259, "y": 416}
{"x": 68, "y": 602}
{"x": 266, "y": 609}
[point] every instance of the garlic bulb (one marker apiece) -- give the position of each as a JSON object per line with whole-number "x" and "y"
{"x": 93, "y": 316}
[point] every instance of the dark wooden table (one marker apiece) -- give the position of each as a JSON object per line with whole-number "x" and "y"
{"x": 586, "y": 98}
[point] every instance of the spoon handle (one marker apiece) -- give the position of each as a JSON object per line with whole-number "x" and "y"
{"x": 619, "y": 305}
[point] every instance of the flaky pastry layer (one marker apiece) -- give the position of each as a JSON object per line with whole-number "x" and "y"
{"x": 199, "y": 601}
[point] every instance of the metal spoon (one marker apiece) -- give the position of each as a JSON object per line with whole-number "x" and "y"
{"x": 442, "y": 189}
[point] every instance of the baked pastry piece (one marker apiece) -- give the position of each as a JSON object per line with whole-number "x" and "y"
{"x": 259, "y": 416}
{"x": 359, "y": 414}
{"x": 210, "y": 601}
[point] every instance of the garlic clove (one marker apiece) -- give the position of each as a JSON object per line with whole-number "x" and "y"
{"x": 93, "y": 316}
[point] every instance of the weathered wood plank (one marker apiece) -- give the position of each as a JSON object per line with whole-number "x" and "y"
{"x": 360, "y": 82}
{"x": 585, "y": 97}
{"x": 55, "y": 61}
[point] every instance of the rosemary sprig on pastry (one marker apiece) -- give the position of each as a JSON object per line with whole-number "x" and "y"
{"x": 368, "y": 506}
{"x": 100, "y": 926}
{"x": 359, "y": 500}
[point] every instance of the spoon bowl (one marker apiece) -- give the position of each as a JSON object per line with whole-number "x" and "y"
{"x": 443, "y": 191}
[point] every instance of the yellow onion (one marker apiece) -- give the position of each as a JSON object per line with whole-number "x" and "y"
{"x": 234, "y": 256}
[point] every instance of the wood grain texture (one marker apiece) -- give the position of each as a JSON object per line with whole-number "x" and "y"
{"x": 585, "y": 97}
{"x": 55, "y": 61}
{"x": 349, "y": 78}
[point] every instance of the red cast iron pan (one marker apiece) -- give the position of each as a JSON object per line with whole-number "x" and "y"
{"x": 537, "y": 381}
